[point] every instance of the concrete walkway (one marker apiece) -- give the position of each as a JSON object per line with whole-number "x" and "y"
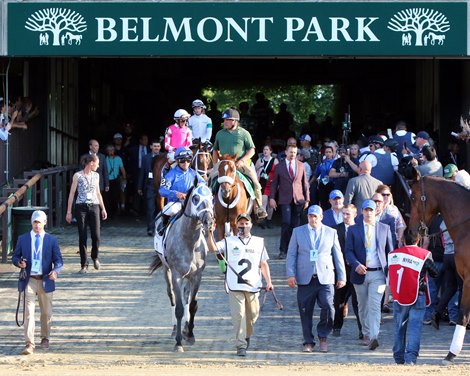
{"x": 121, "y": 315}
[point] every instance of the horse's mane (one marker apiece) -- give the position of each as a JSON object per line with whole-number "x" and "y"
{"x": 449, "y": 185}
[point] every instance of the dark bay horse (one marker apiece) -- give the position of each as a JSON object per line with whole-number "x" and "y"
{"x": 430, "y": 195}
{"x": 202, "y": 163}
{"x": 185, "y": 251}
{"x": 231, "y": 199}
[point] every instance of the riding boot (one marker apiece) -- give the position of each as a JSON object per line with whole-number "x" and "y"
{"x": 163, "y": 224}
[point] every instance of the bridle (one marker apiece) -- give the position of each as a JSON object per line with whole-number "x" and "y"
{"x": 423, "y": 229}
{"x": 195, "y": 162}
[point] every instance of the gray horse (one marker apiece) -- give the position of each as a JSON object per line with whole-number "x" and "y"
{"x": 184, "y": 261}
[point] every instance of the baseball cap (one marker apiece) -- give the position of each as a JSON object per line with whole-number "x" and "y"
{"x": 336, "y": 193}
{"x": 315, "y": 210}
{"x": 244, "y": 216}
{"x": 117, "y": 135}
{"x": 369, "y": 204}
{"x": 38, "y": 215}
{"x": 376, "y": 140}
{"x": 305, "y": 137}
{"x": 449, "y": 170}
{"x": 231, "y": 113}
{"x": 423, "y": 134}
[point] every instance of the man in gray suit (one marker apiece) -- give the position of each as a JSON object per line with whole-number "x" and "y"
{"x": 313, "y": 256}
{"x": 361, "y": 187}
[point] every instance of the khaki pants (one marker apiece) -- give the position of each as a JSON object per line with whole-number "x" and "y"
{"x": 45, "y": 305}
{"x": 248, "y": 171}
{"x": 244, "y": 307}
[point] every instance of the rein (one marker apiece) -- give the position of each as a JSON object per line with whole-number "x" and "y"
{"x": 276, "y": 300}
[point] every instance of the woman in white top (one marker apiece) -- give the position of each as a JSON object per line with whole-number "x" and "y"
{"x": 87, "y": 209}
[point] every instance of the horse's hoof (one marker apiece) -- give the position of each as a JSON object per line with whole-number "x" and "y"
{"x": 179, "y": 349}
{"x": 190, "y": 340}
{"x": 173, "y": 333}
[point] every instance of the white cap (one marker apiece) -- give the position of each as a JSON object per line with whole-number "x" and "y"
{"x": 39, "y": 216}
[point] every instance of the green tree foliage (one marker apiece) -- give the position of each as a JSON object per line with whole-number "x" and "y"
{"x": 301, "y": 100}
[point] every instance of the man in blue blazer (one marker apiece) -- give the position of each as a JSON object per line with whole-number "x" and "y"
{"x": 313, "y": 256}
{"x": 39, "y": 254}
{"x": 367, "y": 245}
{"x": 334, "y": 215}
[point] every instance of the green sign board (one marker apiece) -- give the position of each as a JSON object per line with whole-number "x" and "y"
{"x": 237, "y": 29}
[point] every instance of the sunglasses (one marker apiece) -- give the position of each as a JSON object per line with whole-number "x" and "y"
{"x": 378, "y": 201}
{"x": 186, "y": 160}
{"x": 386, "y": 194}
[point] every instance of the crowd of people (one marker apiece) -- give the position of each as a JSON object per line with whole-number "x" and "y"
{"x": 340, "y": 230}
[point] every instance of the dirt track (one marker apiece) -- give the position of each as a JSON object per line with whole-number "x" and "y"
{"x": 117, "y": 321}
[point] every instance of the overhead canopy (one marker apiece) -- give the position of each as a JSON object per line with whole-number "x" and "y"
{"x": 237, "y": 29}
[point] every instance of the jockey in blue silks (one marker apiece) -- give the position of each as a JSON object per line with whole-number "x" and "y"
{"x": 174, "y": 186}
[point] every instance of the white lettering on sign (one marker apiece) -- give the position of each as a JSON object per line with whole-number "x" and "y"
{"x": 209, "y": 29}
{"x": 340, "y": 29}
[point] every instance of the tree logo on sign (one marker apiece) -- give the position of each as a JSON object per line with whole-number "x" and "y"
{"x": 428, "y": 26}
{"x": 64, "y": 25}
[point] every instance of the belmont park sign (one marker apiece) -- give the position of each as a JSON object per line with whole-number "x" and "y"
{"x": 237, "y": 29}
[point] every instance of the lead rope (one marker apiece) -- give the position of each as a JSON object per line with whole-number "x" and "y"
{"x": 22, "y": 277}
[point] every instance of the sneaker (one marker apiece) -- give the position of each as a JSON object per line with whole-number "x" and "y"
{"x": 28, "y": 349}
{"x": 261, "y": 213}
{"x": 96, "y": 264}
{"x": 323, "y": 345}
{"x": 83, "y": 270}
{"x": 44, "y": 343}
{"x": 241, "y": 352}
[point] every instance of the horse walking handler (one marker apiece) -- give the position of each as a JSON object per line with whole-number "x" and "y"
{"x": 38, "y": 255}
{"x": 174, "y": 187}
{"x": 237, "y": 142}
{"x": 247, "y": 260}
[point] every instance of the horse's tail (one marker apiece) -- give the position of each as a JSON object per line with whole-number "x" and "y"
{"x": 156, "y": 264}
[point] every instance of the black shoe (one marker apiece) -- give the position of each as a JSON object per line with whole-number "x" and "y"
{"x": 241, "y": 352}
{"x": 262, "y": 224}
{"x": 281, "y": 256}
{"x": 435, "y": 318}
{"x": 336, "y": 333}
{"x": 449, "y": 359}
{"x": 269, "y": 223}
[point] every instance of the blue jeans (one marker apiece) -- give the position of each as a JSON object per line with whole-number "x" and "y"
{"x": 408, "y": 325}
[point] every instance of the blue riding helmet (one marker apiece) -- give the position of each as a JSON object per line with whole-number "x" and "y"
{"x": 183, "y": 153}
